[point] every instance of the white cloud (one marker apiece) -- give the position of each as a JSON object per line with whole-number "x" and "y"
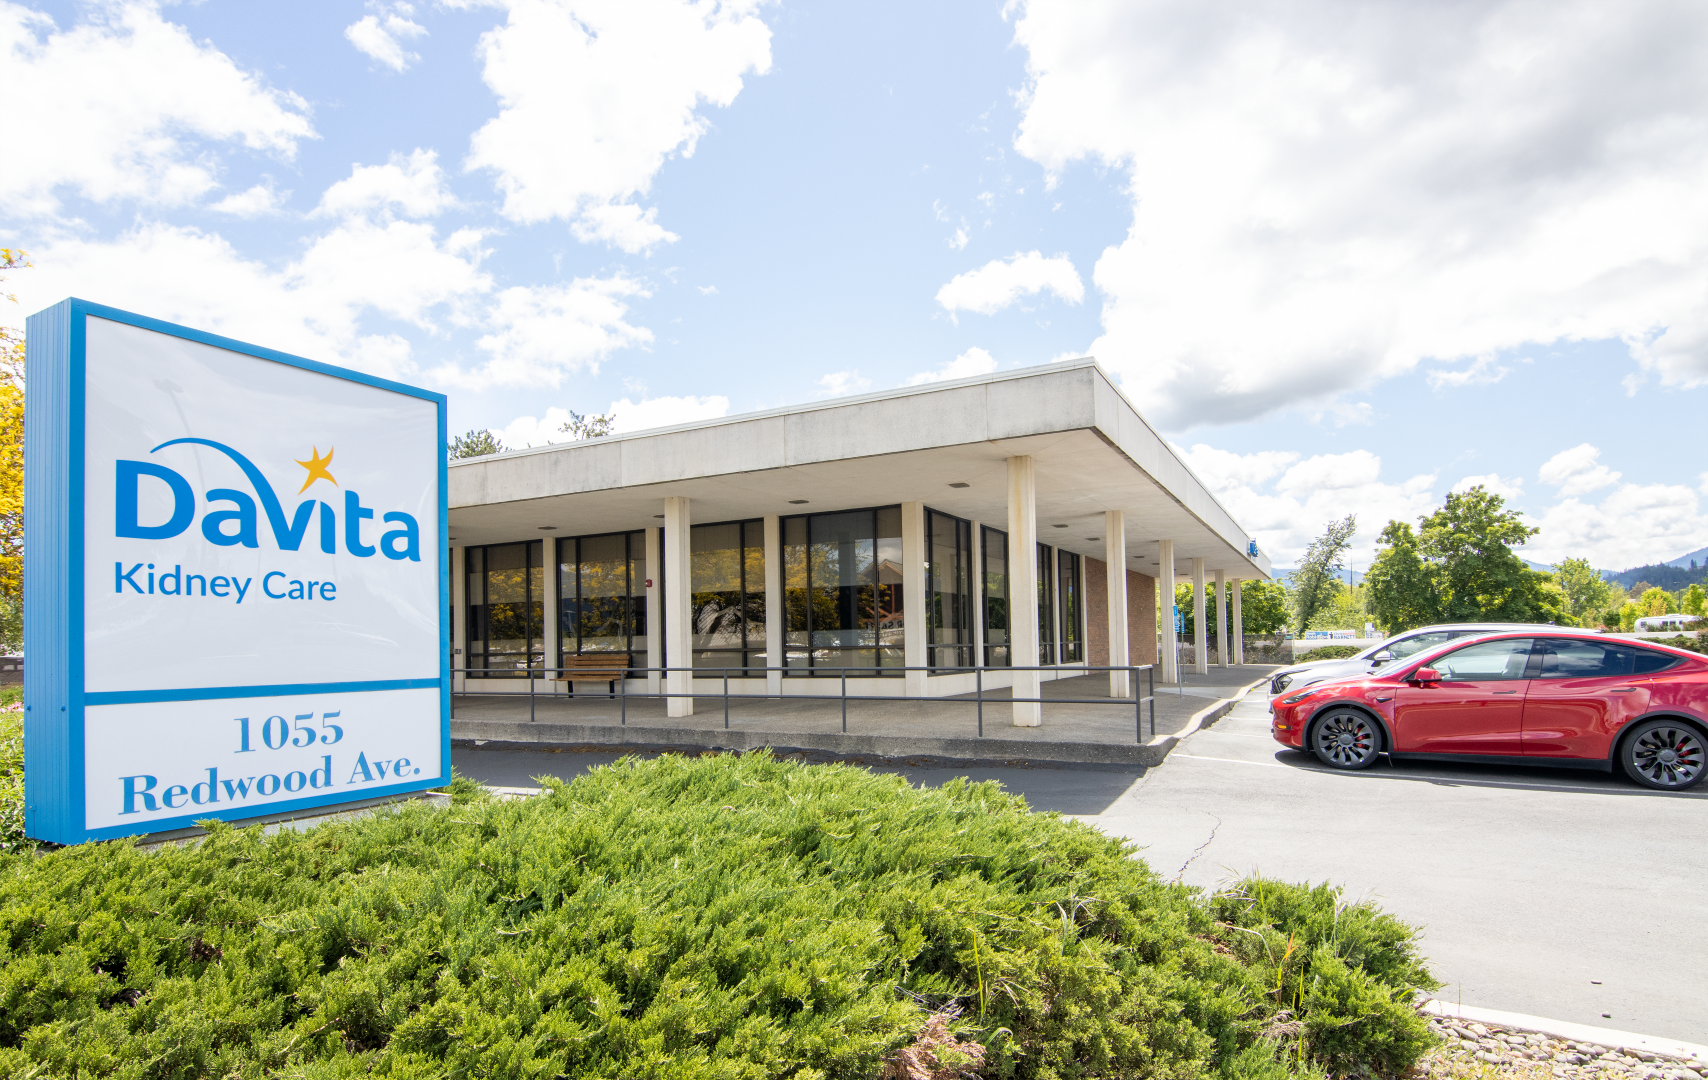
{"x": 975, "y": 361}
{"x": 542, "y": 333}
{"x": 1482, "y": 371}
{"x": 1577, "y": 471}
{"x": 313, "y": 306}
{"x": 380, "y": 36}
{"x": 1226, "y": 469}
{"x": 959, "y": 240}
{"x": 526, "y": 431}
{"x": 1285, "y": 502}
{"x": 100, "y": 109}
{"x": 665, "y": 411}
{"x": 706, "y": 290}
{"x": 1635, "y": 525}
{"x": 1703, "y": 486}
{"x": 622, "y": 225}
{"x": 258, "y": 201}
{"x": 840, "y": 383}
{"x": 595, "y": 97}
{"x": 411, "y": 184}
{"x": 1323, "y": 198}
{"x": 1001, "y": 282}
{"x": 1495, "y": 484}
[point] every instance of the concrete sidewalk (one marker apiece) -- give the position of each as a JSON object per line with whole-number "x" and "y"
{"x": 1118, "y": 732}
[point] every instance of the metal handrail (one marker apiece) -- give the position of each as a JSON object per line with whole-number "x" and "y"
{"x": 749, "y": 671}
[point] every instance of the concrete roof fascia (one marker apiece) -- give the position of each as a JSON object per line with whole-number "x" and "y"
{"x": 1114, "y": 419}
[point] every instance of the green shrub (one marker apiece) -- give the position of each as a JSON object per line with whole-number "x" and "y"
{"x": 12, "y": 774}
{"x": 1331, "y": 652}
{"x": 711, "y": 917}
{"x": 1697, "y": 642}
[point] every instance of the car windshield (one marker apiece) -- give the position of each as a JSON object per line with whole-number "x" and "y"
{"x": 1411, "y": 646}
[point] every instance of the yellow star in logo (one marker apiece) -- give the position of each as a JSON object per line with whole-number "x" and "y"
{"x": 316, "y": 466}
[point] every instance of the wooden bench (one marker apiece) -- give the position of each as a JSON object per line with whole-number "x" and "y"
{"x": 602, "y": 667}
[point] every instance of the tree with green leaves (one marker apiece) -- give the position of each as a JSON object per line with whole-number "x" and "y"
{"x": 588, "y": 427}
{"x": 1459, "y": 567}
{"x": 1693, "y": 601}
{"x": 1655, "y": 601}
{"x": 477, "y": 443}
{"x": 1263, "y": 606}
{"x": 1319, "y": 571}
{"x": 1586, "y": 594}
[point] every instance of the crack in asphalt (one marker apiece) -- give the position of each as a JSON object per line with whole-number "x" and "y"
{"x": 1199, "y": 850}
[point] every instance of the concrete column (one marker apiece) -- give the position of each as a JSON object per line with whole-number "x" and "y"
{"x": 1236, "y": 624}
{"x": 549, "y": 611}
{"x": 654, "y": 610}
{"x": 1169, "y": 646}
{"x": 1023, "y": 587}
{"x": 975, "y": 583}
{"x": 915, "y": 604}
{"x": 774, "y": 606}
{"x": 1200, "y": 632}
{"x": 1115, "y": 556}
{"x": 678, "y": 606}
{"x": 1221, "y": 621}
{"x": 459, "y": 616}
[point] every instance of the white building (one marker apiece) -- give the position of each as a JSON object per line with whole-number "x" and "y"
{"x": 874, "y": 534}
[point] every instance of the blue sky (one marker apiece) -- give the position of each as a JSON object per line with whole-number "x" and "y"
{"x": 1347, "y": 258}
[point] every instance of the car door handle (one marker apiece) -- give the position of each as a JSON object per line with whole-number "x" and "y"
{"x": 1623, "y": 690}
{"x": 1506, "y": 691}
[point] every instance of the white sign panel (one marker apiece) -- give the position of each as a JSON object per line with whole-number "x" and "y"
{"x": 251, "y": 546}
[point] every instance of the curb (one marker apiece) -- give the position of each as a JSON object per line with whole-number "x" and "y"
{"x": 1563, "y": 1029}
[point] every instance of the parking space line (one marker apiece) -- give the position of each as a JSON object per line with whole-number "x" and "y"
{"x": 1236, "y": 761}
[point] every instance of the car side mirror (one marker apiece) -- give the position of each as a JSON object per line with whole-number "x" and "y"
{"x": 1382, "y": 657}
{"x": 1426, "y": 674}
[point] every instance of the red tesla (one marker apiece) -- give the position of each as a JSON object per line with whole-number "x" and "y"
{"x": 1573, "y": 701}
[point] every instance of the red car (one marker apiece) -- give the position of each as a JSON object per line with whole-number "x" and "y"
{"x": 1569, "y": 701}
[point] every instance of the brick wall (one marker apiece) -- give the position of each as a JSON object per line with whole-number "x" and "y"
{"x": 1141, "y": 615}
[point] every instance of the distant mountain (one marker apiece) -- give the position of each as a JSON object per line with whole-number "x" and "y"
{"x": 1284, "y": 574}
{"x": 1698, "y": 557}
{"x": 1668, "y": 576}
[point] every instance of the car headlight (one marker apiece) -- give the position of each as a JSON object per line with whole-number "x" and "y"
{"x": 1302, "y": 695}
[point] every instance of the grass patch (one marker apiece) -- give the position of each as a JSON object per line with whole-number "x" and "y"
{"x": 1331, "y": 652}
{"x": 710, "y": 917}
{"x": 12, "y": 771}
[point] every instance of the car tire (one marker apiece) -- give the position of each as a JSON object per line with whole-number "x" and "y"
{"x": 1666, "y": 755}
{"x": 1346, "y": 739}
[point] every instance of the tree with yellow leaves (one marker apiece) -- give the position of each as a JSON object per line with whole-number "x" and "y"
{"x": 11, "y": 470}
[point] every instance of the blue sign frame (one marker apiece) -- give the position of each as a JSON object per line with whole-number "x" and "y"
{"x": 54, "y": 676}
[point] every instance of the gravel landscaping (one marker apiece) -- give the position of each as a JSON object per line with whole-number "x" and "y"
{"x": 1473, "y": 1050}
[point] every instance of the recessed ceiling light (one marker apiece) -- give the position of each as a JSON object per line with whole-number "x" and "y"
{"x": 959, "y": 484}
{"x": 658, "y": 515}
{"x": 1094, "y": 538}
{"x": 797, "y": 502}
{"x": 1058, "y": 526}
{"x": 548, "y": 528}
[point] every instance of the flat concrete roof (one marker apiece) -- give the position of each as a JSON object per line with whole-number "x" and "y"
{"x": 1093, "y": 452}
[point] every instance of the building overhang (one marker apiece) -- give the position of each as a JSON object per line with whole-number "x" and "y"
{"x": 1092, "y": 450}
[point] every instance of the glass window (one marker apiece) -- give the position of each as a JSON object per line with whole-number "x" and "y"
{"x": 993, "y": 544}
{"x": 601, "y": 583}
{"x": 727, "y": 561}
{"x": 1072, "y": 643}
{"x": 948, "y": 593}
{"x": 842, "y": 579}
{"x": 1486, "y": 662}
{"x": 1046, "y": 608}
{"x": 1417, "y": 643}
{"x": 1647, "y": 662}
{"x": 506, "y": 608}
{"x": 1569, "y": 658}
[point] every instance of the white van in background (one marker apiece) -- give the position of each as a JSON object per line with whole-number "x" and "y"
{"x": 1655, "y": 624}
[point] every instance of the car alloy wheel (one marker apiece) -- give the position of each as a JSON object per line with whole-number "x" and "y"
{"x": 1346, "y": 739}
{"x": 1666, "y": 755}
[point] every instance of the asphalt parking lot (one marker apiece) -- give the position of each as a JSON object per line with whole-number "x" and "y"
{"x": 1572, "y": 895}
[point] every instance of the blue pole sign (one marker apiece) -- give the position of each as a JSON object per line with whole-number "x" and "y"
{"x": 236, "y": 589}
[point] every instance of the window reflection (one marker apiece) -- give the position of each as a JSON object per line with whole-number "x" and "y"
{"x": 506, "y": 608}
{"x": 727, "y": 616}
{"x": 948, "y": 568}
{"x": 1072, "y": 644}
{"x": 1046, "y": 608}
{"x": 842, "y": 581}
{"x": 602, "y": 596}
{"x": 993, "y": 544}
